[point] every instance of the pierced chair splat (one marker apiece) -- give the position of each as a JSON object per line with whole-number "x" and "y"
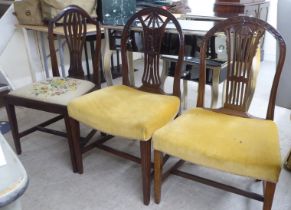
{"x": 228, "y": 139}
{"x": 52, "y": 95}
{"x": 133, "y": 112}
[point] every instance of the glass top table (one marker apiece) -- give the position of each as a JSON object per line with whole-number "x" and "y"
{"x": 13, "y": 177}
{"x": 190, "y": 24}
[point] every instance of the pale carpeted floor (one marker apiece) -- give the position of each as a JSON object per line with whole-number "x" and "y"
{"x": 110, "y": 182}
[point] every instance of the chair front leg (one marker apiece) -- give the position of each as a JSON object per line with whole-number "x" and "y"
{"x": 145, "y": 151}
{"x": 75, "y": 138}
{"x": 269, "y": 191}
{"x": 70, "y": 142}
{"x": 158, "y": 157}
{"x": 10, "y": 109}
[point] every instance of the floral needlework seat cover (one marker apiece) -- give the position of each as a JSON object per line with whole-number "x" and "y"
{"x": 54, "y": 86}
{"x": 55, "y": 90}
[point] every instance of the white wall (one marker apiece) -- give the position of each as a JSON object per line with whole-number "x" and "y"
{"x": 270, "y": 43}
{"x": 13, "y": 55}
{"x": 14, "y": 60}
{"x": 7, "y": 28}
{"x": 202, "y": 8}
{"x": 199, "y": 7}
{"x": 284, "y": 18}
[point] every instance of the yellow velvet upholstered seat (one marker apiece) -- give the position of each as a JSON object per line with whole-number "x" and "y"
{"x": 124, "y": 111}
{"x": 243, "y": 146}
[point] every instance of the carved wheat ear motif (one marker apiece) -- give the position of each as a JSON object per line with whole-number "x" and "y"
{"x": 153, "y": 31}
{"x": 242, "y": 43}
{"x": 75, "y": 31}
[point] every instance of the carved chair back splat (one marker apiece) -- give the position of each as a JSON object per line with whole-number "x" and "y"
{"x": 74, "y": 23}
{"x": 153, "y": 22}
{"x": 243, "y": 35}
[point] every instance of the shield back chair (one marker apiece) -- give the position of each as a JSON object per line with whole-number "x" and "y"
{"x": 228, "y": 139}
{"x": 129, "y": 111}
{"x": 216, "y": 74}
{"x": 53, "y": 94}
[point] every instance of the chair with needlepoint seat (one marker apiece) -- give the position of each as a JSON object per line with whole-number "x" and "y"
{"x": 53, "y": 94}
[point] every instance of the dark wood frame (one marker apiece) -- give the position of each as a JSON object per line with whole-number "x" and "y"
{"x": 236, "y": 101}
{"x": 153, "y": 30}
{"x": 71, "y": 18}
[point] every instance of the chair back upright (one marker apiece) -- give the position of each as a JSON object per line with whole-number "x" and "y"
{"x": 243, "y": 36}
{"x": 154, "y": 22}
{"x": 74, "y": 22}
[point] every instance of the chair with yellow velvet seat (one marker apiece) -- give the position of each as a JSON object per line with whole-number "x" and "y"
{"x": 127, "y": 110}
{"x": 228, "y": 139}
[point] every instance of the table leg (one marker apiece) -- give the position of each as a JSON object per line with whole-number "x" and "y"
{"x": 184, "y": 94}
{"x": 223, "y": 95}
{"x": 215, "y": 87}
{"x": 130, "y": 67}
{"x": 185, "y": 89}
{"x": 61, "y": 54}
{"x": 164, "y": 73}
{"x": 44, "y": 56}
{"x": 106, "y": 59}
{"x": 87, "y": 59}
{"x": 30, "y": 59}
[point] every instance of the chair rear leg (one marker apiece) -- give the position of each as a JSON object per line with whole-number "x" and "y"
{"x": 70, "y": 143}
{"x": 10, "y": 109}
{"x": 76, "y": 148}
{"x": 145, "y": 151}
{"x": 269, "y": 191}
{"x": 158, "y": 175}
